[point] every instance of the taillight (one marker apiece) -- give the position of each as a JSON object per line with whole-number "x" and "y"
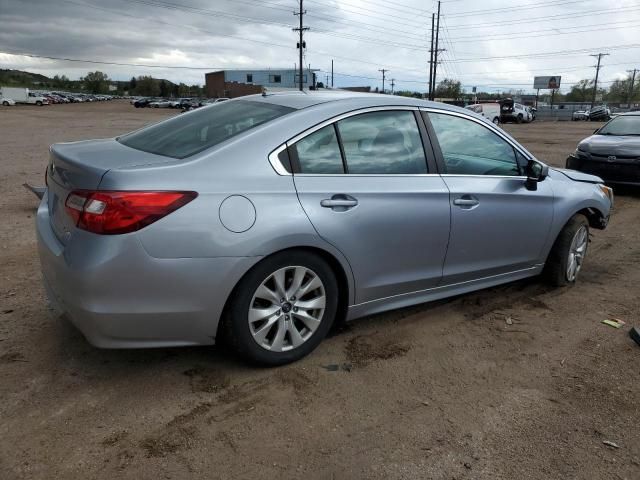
{"x": 114, "y": 212}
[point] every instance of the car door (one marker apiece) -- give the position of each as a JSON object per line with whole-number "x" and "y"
{"x": 369, "y": 187}
{"x": 497, "y": 224}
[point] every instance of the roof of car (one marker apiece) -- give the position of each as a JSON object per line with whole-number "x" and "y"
{"x": 300, "y": 100}
{"x": 636, "y": 113}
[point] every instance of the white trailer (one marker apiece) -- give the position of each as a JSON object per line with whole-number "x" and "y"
{"x": 23, "y": 95}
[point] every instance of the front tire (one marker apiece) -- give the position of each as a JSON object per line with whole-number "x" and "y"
{"x": 5, "y": 103}
{"x": 519, "y": 118}
{"x": 568, "y": 253}
{"x": 282, "y": 309}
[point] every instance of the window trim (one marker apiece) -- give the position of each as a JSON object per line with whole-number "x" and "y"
{"x": 430, "y": 140}
{"x": 489, "y": 126}
{"x": 426, "y": 144}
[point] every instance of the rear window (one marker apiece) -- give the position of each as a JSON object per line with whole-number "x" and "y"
{"x": 188, "y": 134}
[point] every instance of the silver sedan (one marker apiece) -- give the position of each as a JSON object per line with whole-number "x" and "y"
{"x": 264, "y": 219}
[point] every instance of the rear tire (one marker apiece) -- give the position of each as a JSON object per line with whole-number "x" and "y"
{"x": 519, "y": 118}
{"x": 5, "y": 103}
{"x": 496, "y": 121}
{"x": 39, "y": 103}
{"x": 262, "y": 328}
{"x": 568, "y": 252}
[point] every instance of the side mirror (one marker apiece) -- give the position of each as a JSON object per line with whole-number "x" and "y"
{"x": 536, "y": 172}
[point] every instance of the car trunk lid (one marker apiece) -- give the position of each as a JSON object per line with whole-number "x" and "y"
{"x": 81, "y": 166}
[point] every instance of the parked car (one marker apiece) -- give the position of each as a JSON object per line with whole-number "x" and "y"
{"x": 511, "y": 111}
{"x": 7, "y": 101}
{"x": 162, "y": 103}
{"x": 580, "y": 115}
{"x": 193, "y": 230}
{"x": 532, "y": 112}
{"x": 490, "y": 111}
{"x": 142, "y": 102}
{"x": 612, "y": 152}
{"x": 600, "y": 113}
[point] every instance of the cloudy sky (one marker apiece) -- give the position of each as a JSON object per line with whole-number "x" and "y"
{"x": 493, "y": 44}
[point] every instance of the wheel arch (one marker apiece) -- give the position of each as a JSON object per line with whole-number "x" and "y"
{"x": 595, "y": 217}
{"x": 341, "y": 271}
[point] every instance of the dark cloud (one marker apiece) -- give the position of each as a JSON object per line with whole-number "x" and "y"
{"x": 242, "y": 33}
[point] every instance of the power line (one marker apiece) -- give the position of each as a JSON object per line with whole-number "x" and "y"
{"x": 556, "y": 31}
{"x": 546, "y": 18}
{"x": 558, "y": 53}
{"x": 405, "y": 20}
{"x": 527, "y": 6}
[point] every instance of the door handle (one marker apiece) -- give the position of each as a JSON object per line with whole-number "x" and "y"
{"x": 339, "y": 202}
{"x": 466, "y": 201}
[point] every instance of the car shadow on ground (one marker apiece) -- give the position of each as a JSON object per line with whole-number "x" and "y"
{"x": 75, "y": 352}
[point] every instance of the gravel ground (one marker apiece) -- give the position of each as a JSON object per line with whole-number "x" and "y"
{"x": 520, "y": 381}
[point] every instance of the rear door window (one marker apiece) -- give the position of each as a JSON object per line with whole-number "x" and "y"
{"x": 319, "y": 152}
{"x": 386, "y": 142}
{"x": 188, "y": 134}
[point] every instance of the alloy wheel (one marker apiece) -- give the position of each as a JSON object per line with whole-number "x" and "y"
{"x": 287, "y": 308}
{"x": 577, "y": 252}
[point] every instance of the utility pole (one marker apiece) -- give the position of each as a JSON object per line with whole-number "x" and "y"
{"x": 435, "y": 57}
{"x": 433, "y": 25}
{"x": 301, "y": 44}
{"x": 595, "y": 85}
{"x": 383, "y": 70}
{"x": 393, "y": 83}
{"x": 633, "y": 79}
{"x": 332, "y": 73}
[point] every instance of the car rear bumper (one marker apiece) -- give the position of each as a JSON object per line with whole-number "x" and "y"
{"x": 620, "y": 172}
{"x": 119, "y": 296}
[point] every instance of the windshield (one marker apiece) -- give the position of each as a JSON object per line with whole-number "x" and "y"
{"x": 188, "y": 134}
{"x": 623, "y": 125}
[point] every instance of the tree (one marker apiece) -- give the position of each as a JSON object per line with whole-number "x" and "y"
{"x": 147, "y": 86}
{"x": 449, "y": 88}
{"x": 164, "y": 89}
{"x": 60, "y": 81}
{"x": 132, "y": 84}
{"x": 620, "y": 89}
{"x": 96, "y": 82}
{"x": 183, "y": 90}
{"x": 581, "y": 91}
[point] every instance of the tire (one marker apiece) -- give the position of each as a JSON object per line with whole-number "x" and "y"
{"x": 565, "y": 248}
{"x": 519, "y": 118}
{"x": 5, "y": 103}
{"x": 496, "y": 121}
{"x": 39, "y": 103}
{"x": 271, "y": 337}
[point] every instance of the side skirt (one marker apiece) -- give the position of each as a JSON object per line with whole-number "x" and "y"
{"x": 437, "y": 293}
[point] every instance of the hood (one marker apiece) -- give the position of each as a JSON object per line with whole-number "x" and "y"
{"x": 579, "y": 176}
{"x": 622, "y": 146}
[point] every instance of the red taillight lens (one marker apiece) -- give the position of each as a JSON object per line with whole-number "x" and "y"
{"x": 115, "y": 212}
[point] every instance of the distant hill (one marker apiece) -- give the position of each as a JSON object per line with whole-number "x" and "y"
{"x": 19, "y": 78}
{"x": 144, "y": 85}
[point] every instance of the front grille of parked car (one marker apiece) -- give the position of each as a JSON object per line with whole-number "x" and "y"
{"x": 618, "y": 157}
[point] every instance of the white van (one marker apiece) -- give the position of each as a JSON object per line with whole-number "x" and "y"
{"x": 487, "y": 110}
{"x": 23, "y": 95}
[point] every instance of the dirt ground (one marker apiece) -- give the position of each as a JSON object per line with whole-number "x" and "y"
{"x": 520, "y": 381}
